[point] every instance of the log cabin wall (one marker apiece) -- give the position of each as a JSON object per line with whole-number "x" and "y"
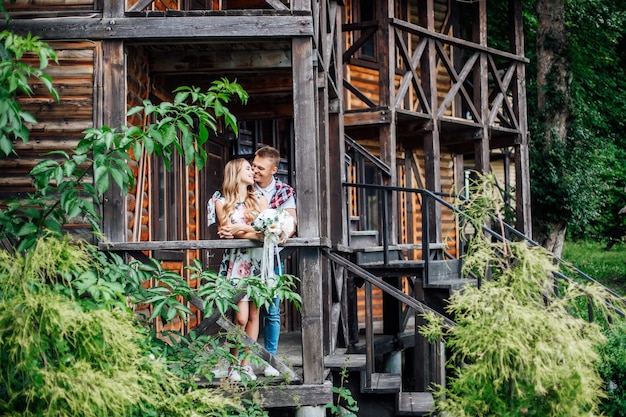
{"x": 59, "y": 124}
{"x": 148, "y": 217}
{"x": 52, "y": 8}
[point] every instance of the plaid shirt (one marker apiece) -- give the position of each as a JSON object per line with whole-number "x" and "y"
{"x": 283, "y": 193}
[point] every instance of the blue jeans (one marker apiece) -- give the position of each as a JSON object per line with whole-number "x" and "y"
{"x": 271, "y": 316}
{"x": 272, "y": 326}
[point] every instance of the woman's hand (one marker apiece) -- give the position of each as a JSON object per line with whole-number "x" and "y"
{"x": 225, "y": 232}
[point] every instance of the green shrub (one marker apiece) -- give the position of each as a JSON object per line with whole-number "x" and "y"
{"x": 519, "y": 347}
{"x": 613, "y": 370}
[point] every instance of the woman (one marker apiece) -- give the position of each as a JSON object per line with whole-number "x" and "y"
{"x": 235, "y": 211}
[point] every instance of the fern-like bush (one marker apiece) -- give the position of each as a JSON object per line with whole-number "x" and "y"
{"x": 520, "y": 346}
{"x": 63, "y": 356}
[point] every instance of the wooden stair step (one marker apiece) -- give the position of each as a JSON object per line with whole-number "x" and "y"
{"x": 415, "y": 404}
{"x": 382, "y": 383}
{"x": 338, "y": 361}
{"x": 453, "y": 284}
{"x": 401, "y": 246}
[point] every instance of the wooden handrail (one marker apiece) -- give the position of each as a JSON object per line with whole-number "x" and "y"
{"x": 295, "y": 242}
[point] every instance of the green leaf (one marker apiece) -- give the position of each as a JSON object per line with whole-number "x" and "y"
{"x": 27, "y": 229}
{"x": 134, "y": 110}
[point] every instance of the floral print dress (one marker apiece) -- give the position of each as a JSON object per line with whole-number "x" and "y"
{"x": 244, "y": 262}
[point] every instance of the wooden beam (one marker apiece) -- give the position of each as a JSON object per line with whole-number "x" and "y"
{"x": 307, "y": 163}
{"x": 370, "y": 117}
{"x": 295, "y": 395}
{"x": 222, "y": 61}
{"x": 170, "y": 28}
{"x": 294, "y": 242}
{"x": 113, "y": 112}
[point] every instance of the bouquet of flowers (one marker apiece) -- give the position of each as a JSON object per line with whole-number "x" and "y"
{"x": 276, "y": 226}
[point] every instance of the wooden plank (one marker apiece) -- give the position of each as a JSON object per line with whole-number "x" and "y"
{"x": 308, "y": 200}
{"x": 382, "y": 383}
{"x": 294, "y": 395}
{"x": 339, "y": 361}
{"x": 296, "y": 242}
{"x": 373, "y": 117}
{"x": 276, "y": 4}
{"x": 113, "y": 112}
{"x": 415, "y": 404}
{"x": 171, "y": 27}
{"x": 220, "y": 61}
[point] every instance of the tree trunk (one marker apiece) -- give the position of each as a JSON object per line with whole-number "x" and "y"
{"x": 554, "y": 239}
{"x": 553, "y": 105}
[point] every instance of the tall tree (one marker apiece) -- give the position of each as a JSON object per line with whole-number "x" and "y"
{"x": 576, "y": 107}
{"x": 554, "y": 113}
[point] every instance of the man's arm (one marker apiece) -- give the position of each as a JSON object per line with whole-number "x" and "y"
{"x": 292, "y": 211}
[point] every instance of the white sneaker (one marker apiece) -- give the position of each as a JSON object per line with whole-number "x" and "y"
{"x": 247, "y": 370}
{"x": 234, "y": 375}
{"x": 271, "y": 371}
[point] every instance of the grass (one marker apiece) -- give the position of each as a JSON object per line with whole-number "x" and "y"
{"x": 605, "y": 266}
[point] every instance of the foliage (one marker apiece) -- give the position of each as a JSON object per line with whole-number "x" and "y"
{"x": 218, "y": 292}
{"x": 613, "y": 370}
{"x": 14, "y": 79}
{"x": 69, "y": 344}
{"x": 62, "y": 355}
{"x": 61, "y": 189}
{"x": 516, "y": 349}
{"x": 607, "y": 266}
{"x": 344, "y": 405}
{"x": 581, "y": 182}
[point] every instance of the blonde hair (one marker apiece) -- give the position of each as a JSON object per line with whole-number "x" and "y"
{"x": 230, "y": 190}
{"x": 269, "y": 152}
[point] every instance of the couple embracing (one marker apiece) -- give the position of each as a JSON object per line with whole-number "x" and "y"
{"x": 247, "y": 190}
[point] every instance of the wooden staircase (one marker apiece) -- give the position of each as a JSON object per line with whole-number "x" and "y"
{"x": 406, "y": 404}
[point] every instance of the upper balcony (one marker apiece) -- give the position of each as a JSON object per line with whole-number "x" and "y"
{"x": 149, "y": 8}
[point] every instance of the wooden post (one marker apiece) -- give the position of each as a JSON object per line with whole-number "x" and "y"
{"x": 481, "y": 93}
{"x": 522, "y": 174}
{"x": 432, "y": 147}
{"x": 307, "y": 165}
{"x": 113, "y": 110}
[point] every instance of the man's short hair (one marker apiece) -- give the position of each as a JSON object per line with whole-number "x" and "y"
{"x": 269, "y": 152}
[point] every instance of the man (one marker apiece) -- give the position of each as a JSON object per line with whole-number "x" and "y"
{"x": 279, "y": 195}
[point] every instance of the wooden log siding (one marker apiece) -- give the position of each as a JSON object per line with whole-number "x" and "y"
{"x": 59, "y": 124}
{"x": 50, "y": 5}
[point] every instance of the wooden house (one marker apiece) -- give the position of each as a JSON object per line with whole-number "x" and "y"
{"x": 378, "y": 108}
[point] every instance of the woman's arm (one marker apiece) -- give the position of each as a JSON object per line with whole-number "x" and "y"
{"x": 228, "y": 230}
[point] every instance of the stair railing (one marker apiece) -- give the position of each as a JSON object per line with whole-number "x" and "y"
{"x": 385, "y": 195}
{"x": 438, "y": 198}
{"x": 509, "y": 232}
{"x": 373, "y": 280}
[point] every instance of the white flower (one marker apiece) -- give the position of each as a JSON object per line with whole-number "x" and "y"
{"x": 276, "y": 226}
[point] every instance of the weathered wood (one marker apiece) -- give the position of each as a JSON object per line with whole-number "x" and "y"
{"x": 374, "y": 117}
{"x": 166, "y": 28}
{"x": 276, "y": 4}
{"x": 223, "y": 61}
{"x": 339, "y": 361}
{"x": 382, "y": 383}
{"x": 294, "y": 242}
{"x": 415, "y": 404}
{"x": 308, "y": 186}
{"x": 140, "y": 5}
{"x": 424, "y": 31}
{"x": 295, "y": 395}
{"x": 113, "y": 112}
